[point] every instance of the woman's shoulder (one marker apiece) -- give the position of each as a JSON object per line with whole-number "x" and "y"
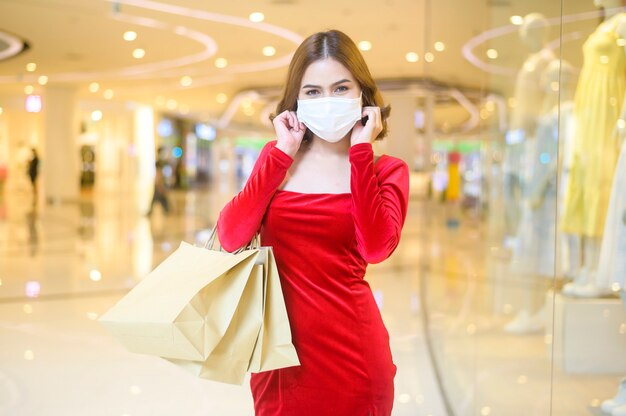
{"x": 389, "y": 162}
{"x": 390, "y": 167}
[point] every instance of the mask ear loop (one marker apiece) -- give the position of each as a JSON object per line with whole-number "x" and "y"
{"x": 363, "y": 120}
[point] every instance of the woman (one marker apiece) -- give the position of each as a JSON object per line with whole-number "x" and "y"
{"x": 328, "y": 208}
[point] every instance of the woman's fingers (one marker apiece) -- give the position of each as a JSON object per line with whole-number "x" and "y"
{"x": 373, "y": 120}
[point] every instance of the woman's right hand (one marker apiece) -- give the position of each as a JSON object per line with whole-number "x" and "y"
{"x": 289, "y": 132}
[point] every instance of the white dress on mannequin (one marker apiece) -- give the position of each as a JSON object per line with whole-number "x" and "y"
{"x": 537, "y": 229}
{"x": 612, "y": 267}
{"x": 528, "y": 102}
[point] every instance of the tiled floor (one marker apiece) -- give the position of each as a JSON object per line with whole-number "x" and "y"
{"x": 62, "y": 266}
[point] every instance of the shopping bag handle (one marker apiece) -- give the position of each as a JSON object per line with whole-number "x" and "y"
{"x": 254, "y": 243}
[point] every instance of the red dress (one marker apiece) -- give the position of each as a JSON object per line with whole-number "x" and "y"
{"x": 322, "y": 244}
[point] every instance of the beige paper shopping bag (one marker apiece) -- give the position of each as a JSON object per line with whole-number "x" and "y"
{"x": 183, "y": 308}
{"x": 229, "y": 360}
{"x": 270, "y": 348}
{"x": 274, "y": 348}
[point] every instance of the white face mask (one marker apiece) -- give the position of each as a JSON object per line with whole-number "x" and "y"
{"x": 329, "y": 118}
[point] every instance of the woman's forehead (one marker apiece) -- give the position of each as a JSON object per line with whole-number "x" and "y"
{"x": 325, "y": 72}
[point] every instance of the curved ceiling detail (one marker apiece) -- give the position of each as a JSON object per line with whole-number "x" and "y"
{"x": 154, "y": 70}
{"x": 10, "y": 45}
{"x": 286, "y": 34}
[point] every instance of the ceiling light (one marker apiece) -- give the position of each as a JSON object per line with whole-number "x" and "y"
{"x": 43, "y": 80}
{"x": 517, "y": 20}
{"x": 412, "y": 57}
{"x": 96, "y": 115}
{"x": 108, "y": 94}
{"x": 492, "y": 53}
{"x": 221, "y": 62}
{"x": 94, "y": 87}
{"x": 94, "y": 274}
{"x": 221, "y": 98}
{"x": 130, "y": 36}
{"x": 1, "y": 111}
{"x": 31, "y": 67}
{"x": 365, "y": 45}
{"x": 256, "y": 17}
{"x": 139, "y": 53}
{"x": 249, "y": 111}
{"x": 28, "y": 89}
{"x": 171, "y": 104}
{"x": 269, "y": 51}
{"x": 186, "y": 81}
{"x": 429, "y": 57}
{"x": 440, "y": 46}
{"x": 33, "y": 103}
{"x": 621, "y": 42}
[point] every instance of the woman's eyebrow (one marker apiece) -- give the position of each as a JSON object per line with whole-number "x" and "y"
{"x": 332, "y": 85}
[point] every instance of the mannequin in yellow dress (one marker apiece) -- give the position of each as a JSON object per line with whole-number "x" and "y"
{"x": 599, "y": 95}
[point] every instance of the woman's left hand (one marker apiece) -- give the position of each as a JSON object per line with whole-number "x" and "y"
{"x": 372, "y": 128}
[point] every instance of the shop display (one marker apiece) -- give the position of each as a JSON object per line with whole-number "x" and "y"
{"x": 599, "y": 98}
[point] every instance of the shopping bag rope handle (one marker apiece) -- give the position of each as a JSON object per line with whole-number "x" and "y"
{"x": 254, "y": 243}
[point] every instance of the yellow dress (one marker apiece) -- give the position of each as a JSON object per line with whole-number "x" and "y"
{"x": 599, "y": 98}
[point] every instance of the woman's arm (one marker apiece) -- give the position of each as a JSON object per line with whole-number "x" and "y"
{"x": 379, "y": 203}
{"x": 241, "y": 218}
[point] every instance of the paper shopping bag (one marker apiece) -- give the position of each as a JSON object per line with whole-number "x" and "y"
{"x": 185, "y": 306}
{"x": 229, "y": 360}
{"x": 274, "y": 348}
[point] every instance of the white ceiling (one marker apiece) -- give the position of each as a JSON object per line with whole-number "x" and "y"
{"x": 77, "y": 42}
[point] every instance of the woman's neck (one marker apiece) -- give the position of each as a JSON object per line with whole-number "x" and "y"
{"x": 321, "y": 146}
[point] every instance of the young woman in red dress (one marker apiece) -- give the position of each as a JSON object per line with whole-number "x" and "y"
{"x": 328, "y": 207}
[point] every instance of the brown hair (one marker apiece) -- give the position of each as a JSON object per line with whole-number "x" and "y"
{"x": 338, "y": 46}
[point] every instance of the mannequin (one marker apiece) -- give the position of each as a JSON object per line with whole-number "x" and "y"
{"x": 600, "y": 93}
{"x": 528, "y": 96}
{"x": 534, "y": 257}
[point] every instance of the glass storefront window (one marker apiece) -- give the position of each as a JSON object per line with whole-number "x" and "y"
{"x": 523, "y": 309}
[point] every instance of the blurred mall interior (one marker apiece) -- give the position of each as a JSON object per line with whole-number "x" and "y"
{"x": 503, "y": 297}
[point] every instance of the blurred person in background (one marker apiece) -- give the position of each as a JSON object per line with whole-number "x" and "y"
{"x": 33, "y": 172}
{"x": 160, "y": 188}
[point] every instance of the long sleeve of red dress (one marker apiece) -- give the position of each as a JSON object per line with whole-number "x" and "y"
{"x": 241, "y": 218}
{"x": 379, "y": 203}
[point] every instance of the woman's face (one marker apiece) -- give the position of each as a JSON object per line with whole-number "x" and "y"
{"x": 328, "y": 78}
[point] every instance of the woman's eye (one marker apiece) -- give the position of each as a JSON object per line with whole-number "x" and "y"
{"x": 311, "y": 92}
{"x": 342, "y": 88}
